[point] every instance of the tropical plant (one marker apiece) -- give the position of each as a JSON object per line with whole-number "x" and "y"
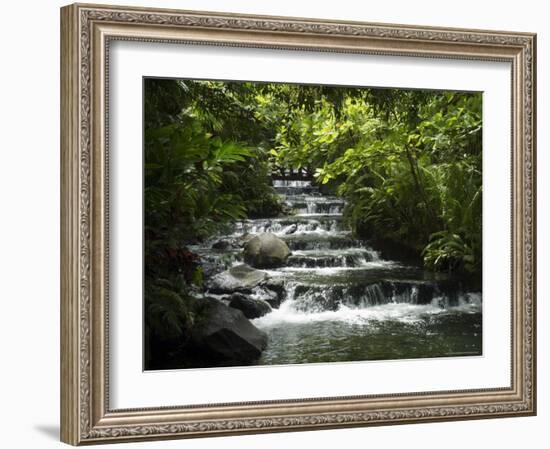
{"x": 408, "y": 163}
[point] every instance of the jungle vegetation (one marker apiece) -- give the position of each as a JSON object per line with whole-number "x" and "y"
{"x": 407, "y": 162}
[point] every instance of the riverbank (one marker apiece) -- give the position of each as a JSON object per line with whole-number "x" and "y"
{"x": 332, "y": 298}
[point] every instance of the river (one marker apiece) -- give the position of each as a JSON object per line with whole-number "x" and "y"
{"x": 343, "y": 302}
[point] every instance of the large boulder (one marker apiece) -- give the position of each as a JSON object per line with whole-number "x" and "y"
{"x": 250, "y": 307}
{"x": 227, "y": 336}
{"x": 266, "y": 251}
{"x": 238, "y": 278}
{"x": 244, "y": 239}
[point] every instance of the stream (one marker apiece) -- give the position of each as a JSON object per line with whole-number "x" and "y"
{"x": 343, "y": 302}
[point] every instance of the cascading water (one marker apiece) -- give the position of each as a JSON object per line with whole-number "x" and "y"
{"x": 342, "y": 302}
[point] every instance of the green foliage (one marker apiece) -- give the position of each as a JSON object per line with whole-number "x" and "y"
{"x": 168, "y": 313}
{"x": 447, "y": 250}
{"x": 198, "y": 176}
{"x": 408, "y": 163}
{"x": 183, "y": 177}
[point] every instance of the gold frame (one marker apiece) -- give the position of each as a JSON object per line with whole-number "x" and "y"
{"x": 86, "y": 31}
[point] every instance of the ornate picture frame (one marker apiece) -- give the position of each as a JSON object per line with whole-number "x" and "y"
{"x": 87, "y": 32}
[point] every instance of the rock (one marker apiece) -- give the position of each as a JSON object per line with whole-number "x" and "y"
{"x": 276, "y": 286}
{"x": 291, "y": 229}
{"x": 238, "y": 278}
{"x": 244, "y": 239}
{"x": 266, "y": 251}
{"x": 227, "y": 244}
{"x": 286, "y": 209}
{"x": 226, "y": 335}
{"x": 221, "y": 245}
{"x": 250, "y": 307}
{"x": 210, "y": 268}
{"x": 267, "y": 295}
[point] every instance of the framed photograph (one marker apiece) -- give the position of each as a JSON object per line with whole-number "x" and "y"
{"x": 278, "y": 224}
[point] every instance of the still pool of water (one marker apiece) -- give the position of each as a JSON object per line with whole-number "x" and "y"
{"x": 383, "y": 333}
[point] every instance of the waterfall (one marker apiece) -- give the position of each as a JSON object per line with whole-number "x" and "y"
{"x": 331, "y": 275}
{"x": 338, "y": 299}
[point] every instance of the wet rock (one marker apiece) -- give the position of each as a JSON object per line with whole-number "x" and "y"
{"x": 211, "y": 268}
{"x": 222, "y": 245}
{"x": 226, "y": 335}
{"x": 278, "y": 290}
{"x": 418, "y": 293}
{"x": 269, "y": 296}
{"x": 250, "y": 307}
{"x": 291, "y": 229}
{"x": 244, "y": 239}
{"x": 266, "y": 251}
{"x": 239, "y": 278}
